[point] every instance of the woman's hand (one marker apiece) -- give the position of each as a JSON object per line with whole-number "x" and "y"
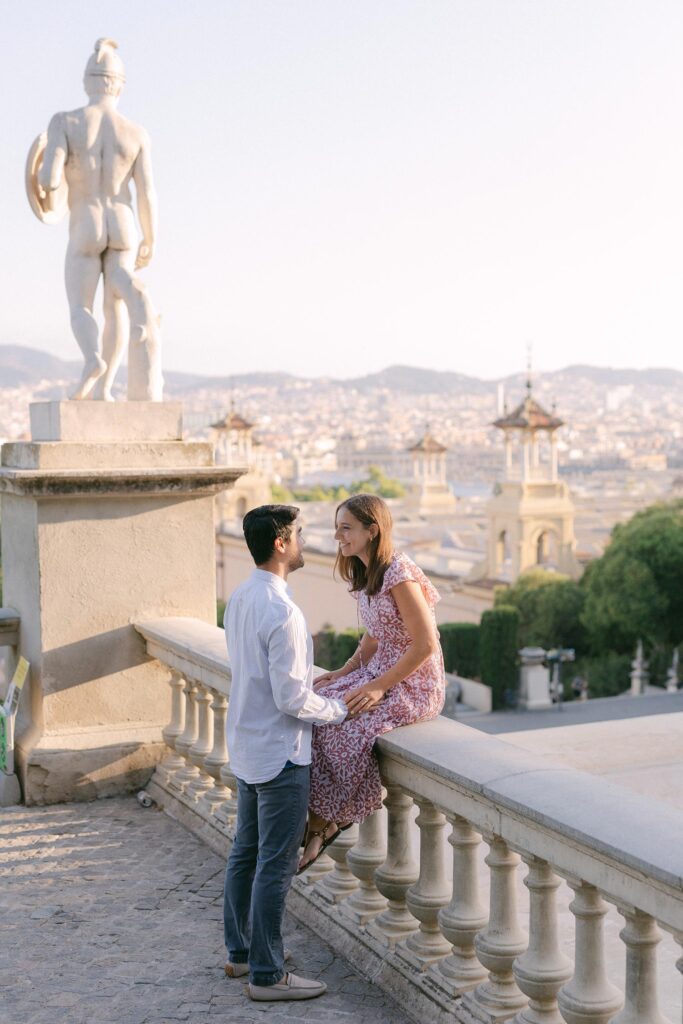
{"x": 365, "y": 698}
{"x": 326, "y": 679}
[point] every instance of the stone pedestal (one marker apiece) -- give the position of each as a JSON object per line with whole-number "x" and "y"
{"x": 107, "y": 518}
{"x": 534, "y": 679}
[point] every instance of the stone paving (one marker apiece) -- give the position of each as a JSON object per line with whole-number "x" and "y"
{"x": 112, "y": 914}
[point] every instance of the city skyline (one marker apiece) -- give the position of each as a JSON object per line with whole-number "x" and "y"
{"x": 344, "y": 187}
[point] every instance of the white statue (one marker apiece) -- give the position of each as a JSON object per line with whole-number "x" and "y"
{"x": 87, "y": 160}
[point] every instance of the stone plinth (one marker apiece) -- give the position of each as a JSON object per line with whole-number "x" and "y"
{"x": 97, "y": 422}
{"x": 96, "y": 535}
{"x": 534, "y": 679}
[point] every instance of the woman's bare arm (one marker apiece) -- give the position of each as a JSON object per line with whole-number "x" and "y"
{"x": 417, "y": 619}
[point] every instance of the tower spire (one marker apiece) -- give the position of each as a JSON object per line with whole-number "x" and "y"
{"x": 529, "y": 359}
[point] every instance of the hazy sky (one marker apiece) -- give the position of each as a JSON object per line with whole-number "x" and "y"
{"x": 346, "y": 184}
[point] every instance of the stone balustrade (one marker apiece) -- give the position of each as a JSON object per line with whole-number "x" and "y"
{"x": 426, "y": 934}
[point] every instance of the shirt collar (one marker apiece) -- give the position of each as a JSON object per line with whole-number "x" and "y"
{"x": 269, "y": 577}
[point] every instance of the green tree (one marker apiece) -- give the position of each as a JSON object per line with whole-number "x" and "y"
{"x": 377, "y": 482}
{"x": 634, "y": 590}
{"x": 549, "y": 607}
{"x": 281, "y": 495}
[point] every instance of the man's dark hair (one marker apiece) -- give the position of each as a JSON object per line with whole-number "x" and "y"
{"x": 263, "y": 525}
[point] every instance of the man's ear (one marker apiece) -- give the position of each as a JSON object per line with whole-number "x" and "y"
{"x": 279, "y": 545}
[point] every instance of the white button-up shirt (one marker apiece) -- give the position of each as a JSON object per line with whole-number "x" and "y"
{"x": 272, "y": 705}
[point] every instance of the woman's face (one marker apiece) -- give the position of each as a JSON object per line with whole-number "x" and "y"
{"x": 353, "y": 537}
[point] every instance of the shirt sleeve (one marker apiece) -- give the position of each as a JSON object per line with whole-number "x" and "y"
{"x": 291, "y": 675}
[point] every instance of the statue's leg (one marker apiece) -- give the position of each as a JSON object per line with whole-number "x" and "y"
{"x": 145, "y": 382}
{"x": 116, "y": 321}
{"x": 82, "y": 274}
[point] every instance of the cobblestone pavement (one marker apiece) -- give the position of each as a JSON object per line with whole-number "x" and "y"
{"x": 112, "y": 914}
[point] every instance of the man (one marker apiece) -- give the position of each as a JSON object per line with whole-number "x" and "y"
{"x": 270, "y": 715}
{"x": 97, "y": 152}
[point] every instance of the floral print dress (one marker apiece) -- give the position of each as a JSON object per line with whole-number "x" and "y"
{"x": 345, "y": 779}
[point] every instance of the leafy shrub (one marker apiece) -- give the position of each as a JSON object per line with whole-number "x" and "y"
{"x": 460, "y": 646}
{"x": 498, "y": 659}
{"x": 607, "y": 674}
{"x": 331, "y": 650}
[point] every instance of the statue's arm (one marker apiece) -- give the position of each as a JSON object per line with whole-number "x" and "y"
{"x": 56, "y": 150}
{"x": 146, "y": 201}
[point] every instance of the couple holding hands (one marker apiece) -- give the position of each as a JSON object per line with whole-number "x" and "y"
{"x": 302, "y": 750}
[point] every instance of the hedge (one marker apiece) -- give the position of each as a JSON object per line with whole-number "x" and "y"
{"x": 331, "y": 650}
{"x": 460, "y": 646}
{"x": 498, "y": 659}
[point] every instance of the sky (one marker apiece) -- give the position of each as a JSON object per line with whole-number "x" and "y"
{"x": 348, "y": 184}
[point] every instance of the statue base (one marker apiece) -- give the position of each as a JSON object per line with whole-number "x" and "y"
{"x": 94, "y": 537}
{"x": 101, "y": 422}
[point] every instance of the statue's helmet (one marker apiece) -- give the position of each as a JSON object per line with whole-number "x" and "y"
{"x": 104, "y": 62}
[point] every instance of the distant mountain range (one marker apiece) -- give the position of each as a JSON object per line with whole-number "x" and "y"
{"x": 20, "y": 365}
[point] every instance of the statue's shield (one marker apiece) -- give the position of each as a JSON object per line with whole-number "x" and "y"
{"x": 52, "y": 207}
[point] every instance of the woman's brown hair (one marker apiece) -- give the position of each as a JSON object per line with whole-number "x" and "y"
{"x": 369, "y": 510}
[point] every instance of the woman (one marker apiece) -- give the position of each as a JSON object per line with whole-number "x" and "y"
{"x": 395, "y": 677}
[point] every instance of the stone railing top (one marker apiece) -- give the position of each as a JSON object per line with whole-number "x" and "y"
{"x": 627, "y": 845}
{"x": 195, "y": 649}
{"x": 595, "y": 822}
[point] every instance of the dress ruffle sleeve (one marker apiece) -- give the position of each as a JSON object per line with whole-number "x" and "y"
{"x": 401, "y": 570}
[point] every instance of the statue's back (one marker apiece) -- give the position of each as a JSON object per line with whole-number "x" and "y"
{"x": 102, "y": 147}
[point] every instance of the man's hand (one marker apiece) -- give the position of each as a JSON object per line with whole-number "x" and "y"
{"x": 365, "y": 698}
{"x": 326, "y": 679}
{"x": 144, "y": 256}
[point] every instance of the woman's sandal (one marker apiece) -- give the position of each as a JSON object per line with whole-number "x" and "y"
{"x": 326, "y": 841}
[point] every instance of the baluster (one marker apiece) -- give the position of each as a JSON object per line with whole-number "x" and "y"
{"x": 336, "y": 885}
{"x": 502, "y": 940}
{"x": 465, "y": 915}
{"x": 588, "y": 998}
{"x": 201, "y": 748}
{"x": 541, "y": 971}
{"x": 398, "y": 872}
{"x": 219, "y": 793}
{"x": 431, "y": 892}
{"x": 641, "y": 937}
{"x": 189, "y": 735}
{"x": 367, "y": 855}
{"x": 226, "y": 812}
{"x": 173, "y": 762}
{"x": 322, "y": 866}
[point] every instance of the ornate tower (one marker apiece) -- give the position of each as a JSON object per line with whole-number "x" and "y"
{"x": 531, "y": 515}
{"x": 233, "y": 441}
{"x": 430, "y": 493}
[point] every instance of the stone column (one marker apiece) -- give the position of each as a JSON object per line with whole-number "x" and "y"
{"x": 174, "y": 762}
{"x": 641, "y": 937}
{"x": 464, "y": 916}
{"x": 502, "y": 940}
{"x": 188, "y": 772}
{"x": 398, "y": 872}
{"x": 541, "y": 971}
{"x": 431, "y": 892}
{"x": 219, "y": 794}
{"x": 339, "y": 883}
{"x": 588, "y": 998}
{"x": 365, "y": 857}
{"x": 201, "y": 748}
{"x": 107, "y": 519}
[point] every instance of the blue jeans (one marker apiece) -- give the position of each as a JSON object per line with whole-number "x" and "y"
{"x": 270, "y": 824}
